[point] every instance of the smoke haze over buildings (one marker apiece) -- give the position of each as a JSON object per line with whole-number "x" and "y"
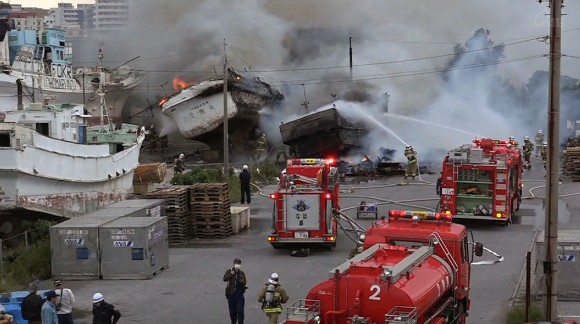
{"x": 290, "y": 43}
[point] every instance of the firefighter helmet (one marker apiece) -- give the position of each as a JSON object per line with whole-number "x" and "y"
{"x": 274, "y": 278}
{"x": 511, "y": 138}
{"x": 182, "y": 156}
{"x": 540, "y": 131}
{"x": 527, "y": 138}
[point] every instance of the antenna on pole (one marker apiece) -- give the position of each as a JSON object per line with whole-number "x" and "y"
{"x": 551, "y": 217}
{"x": 226, "y": 139}
{"x": 306, "y": 103}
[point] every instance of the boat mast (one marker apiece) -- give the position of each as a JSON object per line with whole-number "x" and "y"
{"x": 101, "y": 93}
{"x": 226, "y": 140}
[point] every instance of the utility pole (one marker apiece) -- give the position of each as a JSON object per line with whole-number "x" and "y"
{"x": 350, "y": 55}
{"x": 305, "y": 104}
{"x": 226, "y": 139}
{"x": 552, "y": 171}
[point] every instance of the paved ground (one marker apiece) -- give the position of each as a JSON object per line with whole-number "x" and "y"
{"x": 191, "y": 290}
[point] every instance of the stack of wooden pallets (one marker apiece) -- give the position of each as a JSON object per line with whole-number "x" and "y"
{"x": 572, "y": 159}
{"x": 210, "y": 210}
{"x": 177, "y": 211}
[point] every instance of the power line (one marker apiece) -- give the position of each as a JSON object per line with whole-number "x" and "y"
{"x": 406, "y": 74}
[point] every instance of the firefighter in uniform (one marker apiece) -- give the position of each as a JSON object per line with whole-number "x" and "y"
{"x": 513, "y": 142}
{"x": 411, "y": 156}
{"x": 179, "y": 164}
{"x": 544, "y": 153}
{"x": 261, "y": 147}
{"x": 539, "y": 143}
{"x": 272, "y": 296}
{"x": 281, "y": 154}
{"x": 528, "y": 149}
{"x": 152, "y": 138}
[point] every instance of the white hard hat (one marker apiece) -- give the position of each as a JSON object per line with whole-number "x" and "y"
{"x": 273, "y": 278}
{"x": 98, "y": 297}
{"x": 526, "y": 138}
{"x": 245, "y": 167}
{"x": 540, "y": 131}
{"x": 181, "y": 156}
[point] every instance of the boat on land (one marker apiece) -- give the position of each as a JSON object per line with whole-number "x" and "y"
{"x": 323, "y": 133}
{"x": 198, "y": 111}
{"x": 43, "y": 62}
{"x": 51, "y": 161}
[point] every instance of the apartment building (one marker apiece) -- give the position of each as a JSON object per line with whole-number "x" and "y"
{"x": 111, "y": 15}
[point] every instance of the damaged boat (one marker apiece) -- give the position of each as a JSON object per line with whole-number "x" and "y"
{"x": 198, "y": 110}
{"x": 52, "y": 162}
{"x": 43, "y": 61}
{"x": 323, "y": 133}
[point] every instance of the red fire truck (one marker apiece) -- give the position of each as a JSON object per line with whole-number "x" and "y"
{"x": 482, "y": 181}
{"x": 304, "y": 204}
{"x": 415, "y": 268}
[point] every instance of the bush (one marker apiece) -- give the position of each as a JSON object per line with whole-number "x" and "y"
{"x": 28, "y": 265}
{"x": 267, "y": 175}
{"x": 517, "y": 314}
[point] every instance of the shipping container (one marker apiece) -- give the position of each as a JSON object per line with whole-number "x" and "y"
{"x": 143, "y": 207}
{"x": 568, "y": 265}
{"x": 75, "y": 246}
{"x": 134, "y": 247}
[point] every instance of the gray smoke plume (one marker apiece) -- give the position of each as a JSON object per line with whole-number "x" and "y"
{"x": 290, "y": 43}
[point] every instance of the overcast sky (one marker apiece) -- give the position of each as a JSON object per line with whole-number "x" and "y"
{"x": 47, "y": 4}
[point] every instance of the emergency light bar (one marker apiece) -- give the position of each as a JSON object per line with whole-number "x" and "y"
{"x": 329, "y": 161}
{"x": 408, "y": 214}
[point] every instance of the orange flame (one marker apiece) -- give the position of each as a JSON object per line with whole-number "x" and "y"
{"x": 179, "y": 84}
{"x": 164, "y": 100}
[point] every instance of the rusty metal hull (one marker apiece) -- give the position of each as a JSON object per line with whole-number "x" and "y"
{"x": 322, "y": 133}
{"x": 65, "y": 199}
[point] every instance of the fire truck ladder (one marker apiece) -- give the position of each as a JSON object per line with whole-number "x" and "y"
{"x": 435, "y": 238}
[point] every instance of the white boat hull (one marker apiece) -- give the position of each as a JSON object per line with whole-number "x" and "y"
{"x": 71, "y": 92}
{"x": 200, "y": 115}
{"x": 60, "y": 177}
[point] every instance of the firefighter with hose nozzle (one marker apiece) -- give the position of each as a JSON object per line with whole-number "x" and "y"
{"x": 411, "y": 156}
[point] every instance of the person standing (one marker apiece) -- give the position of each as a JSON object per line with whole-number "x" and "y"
{"x": 48, "y": 310}
{"x": 438, "y": 185}
{"x": 245, "y": 178}
{"x": 411, "y": 156}
{"x": 65, "y": 302}
{"x": 235, "y": 289}
{"x": 31, "y": 305}
{"x": 272, "y": 296}
{"x": 539, "y": 142}
{"x": 103, "y": 312}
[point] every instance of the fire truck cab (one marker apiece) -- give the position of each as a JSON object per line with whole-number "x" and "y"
{"x": 414, "y": 268}
{"x": 304, "y": 204}
{"x": 482, "y": 181}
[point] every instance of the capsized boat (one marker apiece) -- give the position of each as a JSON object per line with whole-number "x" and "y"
{"x": 198, "y": 109}
{"x": 43, "y": 62}
{"x": 52, "y": 162}
{"x": 323, "y": 133}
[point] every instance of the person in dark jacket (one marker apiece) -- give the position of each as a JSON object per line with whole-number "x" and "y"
{"x": 235, "y": 290}
{"x": 245, "y": 178}
{"x": 32, "y": 305}
{"x": 103, "y": 312}
{"x": 438, "y": 185}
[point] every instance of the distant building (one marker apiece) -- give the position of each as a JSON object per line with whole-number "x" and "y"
{"x": 111, "y": 15}
{"x": 28, "y": 18}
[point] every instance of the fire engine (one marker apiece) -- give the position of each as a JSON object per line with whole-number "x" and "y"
{"x": 304, "y": 204}
{"x": 482, "y": 181}
{"x": 415, "y": 268}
